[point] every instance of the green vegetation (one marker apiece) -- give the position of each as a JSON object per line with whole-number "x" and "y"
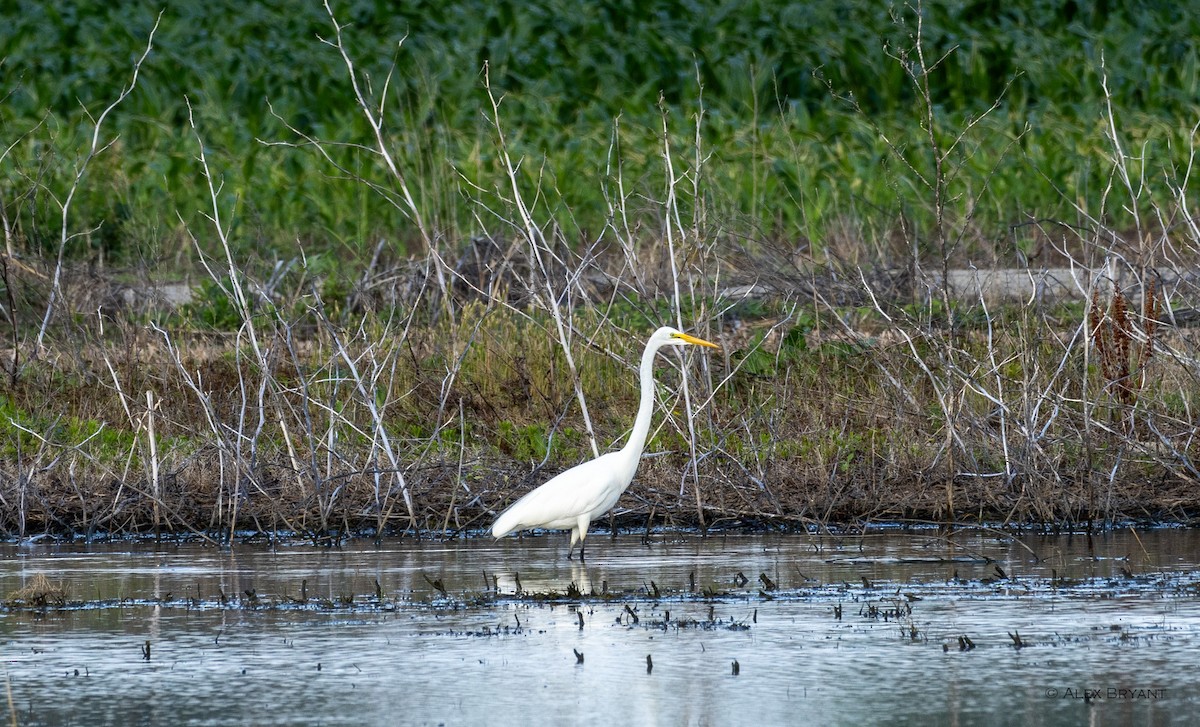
{"x": 794, "y": 103}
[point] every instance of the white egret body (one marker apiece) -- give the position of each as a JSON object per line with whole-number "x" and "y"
{"x": 575, "y": 498}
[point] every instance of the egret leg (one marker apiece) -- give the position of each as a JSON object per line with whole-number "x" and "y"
{"x": 582, "y": 528}
{"x": 574, "y": 537}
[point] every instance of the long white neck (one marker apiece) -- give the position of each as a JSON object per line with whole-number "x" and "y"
{"x": 641, "y": 425}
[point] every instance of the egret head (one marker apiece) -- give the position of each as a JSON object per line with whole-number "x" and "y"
{"x": 667, "y": 336}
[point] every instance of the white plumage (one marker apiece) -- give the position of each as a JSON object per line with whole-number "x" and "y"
{"x": 575, "y": 498}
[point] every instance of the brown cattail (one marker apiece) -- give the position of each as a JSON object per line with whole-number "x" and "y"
{"x": 1121, "y": 331}
{"x": 1150, "y": 313}
{"x": 1121, "y": 338}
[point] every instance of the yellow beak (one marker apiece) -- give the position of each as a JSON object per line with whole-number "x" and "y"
{"x": 696, "y": 341}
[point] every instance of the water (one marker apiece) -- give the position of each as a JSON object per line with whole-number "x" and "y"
{"x": 315, "y": 645}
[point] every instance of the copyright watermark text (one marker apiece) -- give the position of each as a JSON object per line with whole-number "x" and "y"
{"x": 1107, "y": 693}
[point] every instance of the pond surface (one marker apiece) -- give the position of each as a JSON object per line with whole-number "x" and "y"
{"x": 891, "y": 627}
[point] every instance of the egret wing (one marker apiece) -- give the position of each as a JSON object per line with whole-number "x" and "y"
{"x": 559, "y": 502}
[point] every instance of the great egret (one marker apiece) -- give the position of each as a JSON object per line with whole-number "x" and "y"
{"x": 583, "y": 493}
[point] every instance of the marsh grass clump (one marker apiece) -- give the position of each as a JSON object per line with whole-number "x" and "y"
{"x": 38, "y": 593}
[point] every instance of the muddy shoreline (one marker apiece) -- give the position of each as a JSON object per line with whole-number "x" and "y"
{"x": 643, "y": 509}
